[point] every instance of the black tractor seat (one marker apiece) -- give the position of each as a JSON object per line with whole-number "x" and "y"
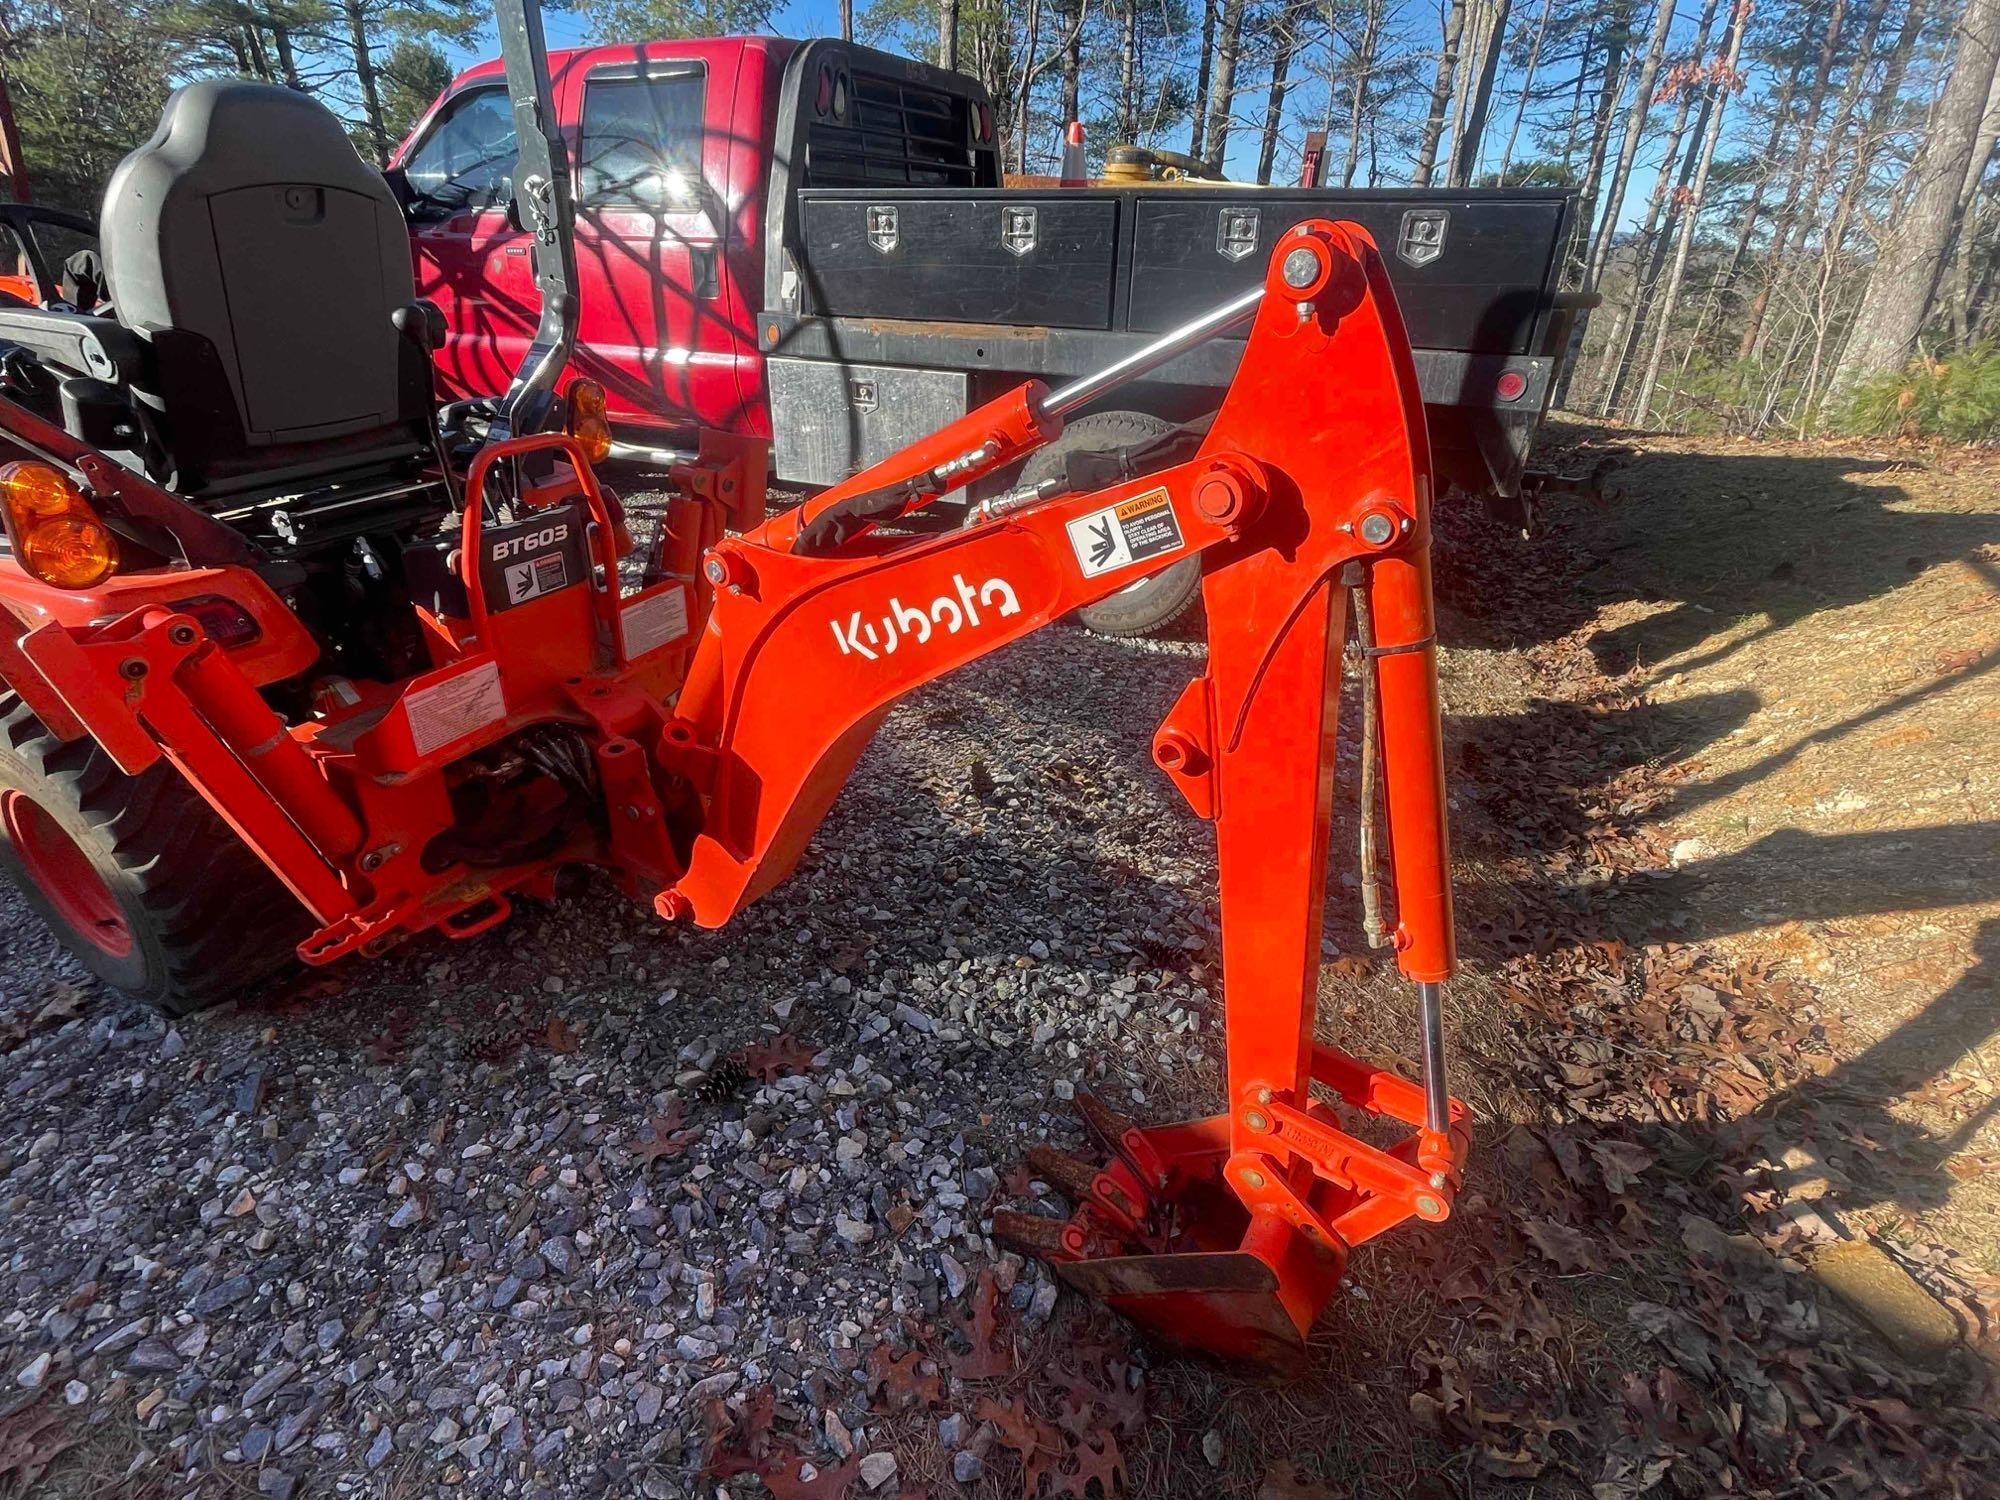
{"x": 254, "y": 270}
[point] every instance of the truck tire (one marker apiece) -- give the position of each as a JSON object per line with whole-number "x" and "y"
{"x": 1152, "y": 604}
{"x": 136, "y": 875}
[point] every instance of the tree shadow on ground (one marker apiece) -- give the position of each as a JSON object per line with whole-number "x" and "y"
{"x": 1770, "y": 538}
{"x": 1719, "y": 538}
{"x": 1793, "y": 875}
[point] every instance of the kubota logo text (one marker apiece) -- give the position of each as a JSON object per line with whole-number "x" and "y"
{"x": 948, "y": 614}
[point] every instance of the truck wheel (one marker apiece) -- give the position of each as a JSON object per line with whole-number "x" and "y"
{"x": 1152, "y": 604}
{"x": 136, "y": 875}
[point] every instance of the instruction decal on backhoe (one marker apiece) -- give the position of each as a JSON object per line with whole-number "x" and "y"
{"x": 1132, "y": 531}
{"x": 654, "y": 621}
{"x": 451, "y": 709}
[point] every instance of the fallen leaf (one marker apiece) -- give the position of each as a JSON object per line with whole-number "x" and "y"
{"x": 900, "y": 1379}
{"x": 1620, "y": 1162}
{"x": 1563, "y": 1246}
{"x": 65, "y": 1003}
{"x": 798, "y": 1478}
{"x": 1100, "y": 1462}
{"x": 987, "y": 1358}
{"x": 782, "y": 1056}
{"x": 1037, "y": 1445}
{"x": 30, "y": 1440}
{"x": 561, "y": 1037}
{"x": 663, "y": 1136}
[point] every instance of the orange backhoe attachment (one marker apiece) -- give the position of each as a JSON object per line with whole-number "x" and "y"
{"x": 688, "y": 731}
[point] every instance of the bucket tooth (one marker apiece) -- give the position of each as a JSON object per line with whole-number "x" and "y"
{"x": 1120, "y": 1201}
{"x": 1070, "y": 1175}
{"x": 1117, "y": 1136}
{"x": 1029, "y": 1234}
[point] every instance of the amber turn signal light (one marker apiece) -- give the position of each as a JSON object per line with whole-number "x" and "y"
{"x": 55, "y": 534}
{"x": 587, "y": 422}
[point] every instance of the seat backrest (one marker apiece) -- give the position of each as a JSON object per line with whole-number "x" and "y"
{"x": 249, "y": 222}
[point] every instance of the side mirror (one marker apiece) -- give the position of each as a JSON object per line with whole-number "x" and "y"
{"x": 399, "y": 185}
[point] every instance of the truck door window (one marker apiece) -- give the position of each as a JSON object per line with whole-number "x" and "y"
{"x": 642, "y": 139}
{"x": 466, "y": 163}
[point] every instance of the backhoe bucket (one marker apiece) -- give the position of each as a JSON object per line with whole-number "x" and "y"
{"x": 1162, "y": 1237}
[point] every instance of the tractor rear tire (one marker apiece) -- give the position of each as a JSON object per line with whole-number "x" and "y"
{"x": 137, "y": 875}
{"x": 1151, "y": 605}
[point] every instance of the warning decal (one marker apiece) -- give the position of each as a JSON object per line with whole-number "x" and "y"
{"x": 1129, "y": 532}
{"x": 531, "y": 580}
{"x": 450, "y": 710}
{"x": 655, "y": 621}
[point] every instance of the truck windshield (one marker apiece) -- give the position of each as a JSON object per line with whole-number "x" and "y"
{"x": 466, "y": 163}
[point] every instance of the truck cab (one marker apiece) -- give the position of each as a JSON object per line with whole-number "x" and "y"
{"x": 682, "y": 153}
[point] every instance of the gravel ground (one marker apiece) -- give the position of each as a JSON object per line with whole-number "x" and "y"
{"x": 503, "y": 1216}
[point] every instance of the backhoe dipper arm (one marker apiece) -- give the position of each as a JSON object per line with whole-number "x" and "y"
{"x": 1318, "y": 458}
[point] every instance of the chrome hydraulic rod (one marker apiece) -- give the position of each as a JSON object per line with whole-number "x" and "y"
{"x": 1086, "y": 388}
{"x": 1437, "y": 1100}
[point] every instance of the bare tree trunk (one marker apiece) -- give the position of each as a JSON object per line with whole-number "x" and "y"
{"x": 1600, "y": 143}
{"x": 1628, "y": 148}
{"x": 1969, "y": 216}
{"x": 1685, "y": 238}
{"x": 1028, "y": 74}
{"x": 1576, "y": 101}
{"x": 288, "y": 61}
{"x": 1620, "y": 32}
{"x": 1291, "y": 20}
{"x": 1781, "y": 116}
{"x": 1847, "y": 203}
{"x": 1527, "y": 87}
{"x": 1894, "y": 306}
{"x": 1364, "y": 68}
{"x": 253, "y": 49}
{"x": 1222, "y": 87}
{"x": 1204, "y": 64}
{"x": 1465, "y": 148}
{"x": 948, "y": 34}
{"x": 1128, "y": 70}
{"x": 1614, "y": 202}
{"x": 1447, "y": 68}
{"x": 1982, "y": 146}
{"x": 1461, "y": 79}
{"x": 1788, "y": 215}
{"x": 1072, "y": 63}
{"x": 847, "y": 20}
{"x": 364, "y": 73}
{"x": 1652, "y": 242}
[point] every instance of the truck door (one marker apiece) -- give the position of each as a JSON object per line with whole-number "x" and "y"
{"x": 652, "y": 327}
{"x": 470, "y": 259}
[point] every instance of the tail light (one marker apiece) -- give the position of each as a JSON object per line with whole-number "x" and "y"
{"x": 823, "y": 100}
{"x": 1511, "y": 385}
{"x": 588, "y": 423}
{"x": 55, "y": 534}
{"x": 985, "y": 124}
